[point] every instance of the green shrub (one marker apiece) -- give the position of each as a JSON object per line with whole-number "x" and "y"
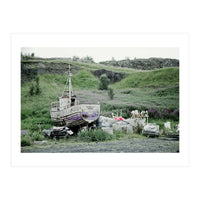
{"x": 28, "y": 139}
{"x": 101, "y": 135}
{"x": 31, "y": 90}
{"x": 94, "y": 135}
{"x": 104, "y": 81}
{"x": 33, "y": 126}
{"x": 111, "y": 93}
{"x": 37, "y": 86}
{"x": 25, "y": 140}
{"x": 37, "y": 136}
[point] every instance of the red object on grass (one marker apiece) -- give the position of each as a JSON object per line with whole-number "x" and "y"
{"x": 118, "y": 118}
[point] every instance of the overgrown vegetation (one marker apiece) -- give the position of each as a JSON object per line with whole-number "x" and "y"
{"x": 104, "y": 81}
{"x": 31, "y": 90}
{"x": 156, "y": 91}
{"x": 35, "y": 88}
{"x": 37, "y": 136}
{"x": 160, "y": 123}
{"x": 29, "y": 138}
{"x": 84, "y": 80}
{"x": 36, "y": 108}
{"x": 99, "y": 135}
{"x": 118, "y": 134}
{"x": 26, "y": 140}
{"x": 94, "y": 135}
{"x": 79, "y": 65}
{"x": 143, "y": 64}
{"x": 150, "y": 79}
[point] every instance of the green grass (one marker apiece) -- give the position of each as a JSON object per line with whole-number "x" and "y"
{"x": 155, "y": 79}
{"x": 36, "y": 108}
{"x": 158, "y": 89}
{"x": 85, "y": 80}
{"x": 139, "y": 99}
{"x": 82, "y": 80}
{"x": 29, "y": 138}
{"x": 26, "y": 140}
{"x": 97, "y": 135}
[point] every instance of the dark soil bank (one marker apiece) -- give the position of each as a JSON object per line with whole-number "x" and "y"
{"x": 134, "y": 145}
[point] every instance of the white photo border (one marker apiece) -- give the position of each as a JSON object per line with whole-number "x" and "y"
{"x": 176, "y": 40}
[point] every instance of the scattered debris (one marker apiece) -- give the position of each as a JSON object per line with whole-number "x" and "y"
{"x": 151, "y": 130}
{"x": 105, "y": 121}
{"x": 57, "y": 132}
{"x": 120, "y": 126}
{"x": 172, "y": 132}
{"x": 142, "y": 115}
{"x": 125, "y": 125}
{"x": 177, "y": 128}
{"x": 167, "y": 125}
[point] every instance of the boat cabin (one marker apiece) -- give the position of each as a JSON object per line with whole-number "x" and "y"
{"x": 66, "y": 102}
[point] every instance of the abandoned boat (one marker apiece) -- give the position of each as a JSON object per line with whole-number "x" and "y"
{"x": 68, "y": 112}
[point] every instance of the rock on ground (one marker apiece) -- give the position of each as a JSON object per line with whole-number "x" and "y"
{"x": 151, "y": 130}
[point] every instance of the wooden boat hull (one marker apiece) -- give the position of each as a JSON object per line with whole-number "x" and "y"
{"x": 79, "y": 115}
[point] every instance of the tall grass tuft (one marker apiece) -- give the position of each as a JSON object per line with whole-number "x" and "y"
{"x": 94, "y": 135}
{"x": 26, "y": 140}
{"x": 37, "y": 136}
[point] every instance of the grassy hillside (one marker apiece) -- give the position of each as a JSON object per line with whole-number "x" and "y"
{"x": 156, "y": 91}
{"x": 81, "y": 80}
{"x": 85, "y": 80}
{"x": 157, "y": 78}
{"x": 80, "y": 65}
{"x": 36, "y": 108}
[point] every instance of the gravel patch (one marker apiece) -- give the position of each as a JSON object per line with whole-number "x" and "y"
{"x": 134, "y": 145}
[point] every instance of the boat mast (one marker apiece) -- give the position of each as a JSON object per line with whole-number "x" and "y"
{"x": 70, "y": 85}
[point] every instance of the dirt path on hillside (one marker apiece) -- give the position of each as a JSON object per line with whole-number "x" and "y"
{"x": 134, "y": 145}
